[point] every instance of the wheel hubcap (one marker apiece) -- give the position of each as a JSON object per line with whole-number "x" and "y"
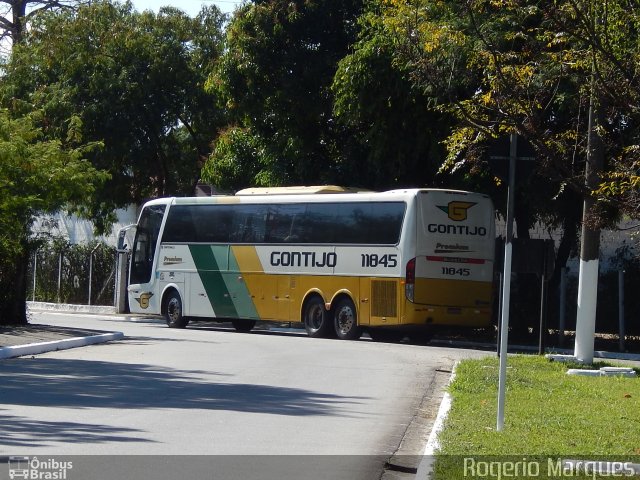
{"x": 345, "y": 319}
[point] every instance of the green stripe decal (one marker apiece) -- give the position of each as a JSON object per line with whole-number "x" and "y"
{"x": 242, "y": 298}
{"x": 212, "y": 280}
{"x": 227, "y": 292}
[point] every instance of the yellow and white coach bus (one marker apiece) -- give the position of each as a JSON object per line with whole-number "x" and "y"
{"x": 339, "y": 263}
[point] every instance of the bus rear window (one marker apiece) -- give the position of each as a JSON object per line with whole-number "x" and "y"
{"x": 352, "y": 223}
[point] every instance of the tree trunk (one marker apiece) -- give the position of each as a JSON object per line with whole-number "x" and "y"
{"x": 13, "y": 306}
{"x": 590, "y": 238}
{"x": 19, "y": 9}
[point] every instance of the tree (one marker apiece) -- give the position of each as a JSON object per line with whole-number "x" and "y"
{"x": 528, "y": 67}
{"x": 136, "y": 83}
{"x": 16, "y": 14}
{"x": 241, "y": 159}
{"x": 399, "y": 128}
{"x": 532, "y": 67}
{"x": 37, "y": 176}
{"x": 275, "y": 78}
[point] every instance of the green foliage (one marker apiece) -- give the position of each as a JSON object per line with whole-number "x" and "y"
{"x": 241, "y": 158}
{"x": 275, "y": 78}
{"x": 399, "y": 129}
{"x": 135, "y": 81}
{"x": 15, "y": 16}
{"x": 529, "y": 67}
{"x": 37, "y": 176}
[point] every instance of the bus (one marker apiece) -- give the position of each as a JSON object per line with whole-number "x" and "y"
{"x": 337, "y": 262}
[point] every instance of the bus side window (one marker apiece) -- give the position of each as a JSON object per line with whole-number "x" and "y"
{"x": 248, "y": 224}
{"x": 319, "y": 225}
{"x": 280, "y": 223}
{"x": 180, "y": 225}
{"x": 215, "y": 224}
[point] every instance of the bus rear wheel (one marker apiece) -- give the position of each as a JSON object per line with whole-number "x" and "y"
{"x": 243, "y": 326}
{"x": 173, "y": 312}
{"x": 345, "y": 320}
{"x": 315, "y": 318}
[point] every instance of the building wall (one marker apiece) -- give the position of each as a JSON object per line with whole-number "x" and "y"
{"x": 79, "y": 230}
{"x": 610, "y": 242}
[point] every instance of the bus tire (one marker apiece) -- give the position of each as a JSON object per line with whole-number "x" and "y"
{"x": 173, "y": 313}
{"x": 315, "y": 318}
{"x": 242, "y": 325}
{"x": 345, "y": 320}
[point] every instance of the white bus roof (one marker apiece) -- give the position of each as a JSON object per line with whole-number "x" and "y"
{"x": 391, "y": 195}
{"x": 298, "y": 190}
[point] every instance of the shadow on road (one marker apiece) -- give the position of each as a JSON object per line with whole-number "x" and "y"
{"x": 73, "y": 383}
{"x": 26, "y": 432}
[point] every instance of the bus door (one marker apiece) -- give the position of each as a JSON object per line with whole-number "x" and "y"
{"x": 454, "y": 249}
{"x": 126, "y": 237}
{"x": 142, "y": 295}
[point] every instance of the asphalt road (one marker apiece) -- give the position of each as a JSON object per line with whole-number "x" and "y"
{"x": 259, "y": 405}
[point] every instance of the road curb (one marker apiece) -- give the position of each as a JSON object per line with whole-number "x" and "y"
{"x": 514, "y": 348}
{"x": 426, "y": 465}
{"x": 71, "y": 308}
{"x": 44, "y": 347}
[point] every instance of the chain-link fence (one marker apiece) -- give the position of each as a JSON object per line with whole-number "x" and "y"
{"x": 79, "y": 274}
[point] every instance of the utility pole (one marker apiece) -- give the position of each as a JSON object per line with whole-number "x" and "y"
{"x": 590, "y": 241}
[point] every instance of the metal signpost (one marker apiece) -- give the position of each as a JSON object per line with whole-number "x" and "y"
{"x": 506, "y": 282}
{"x": 515, "y": 153}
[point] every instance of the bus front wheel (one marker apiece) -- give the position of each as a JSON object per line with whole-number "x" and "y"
{"x": 345, "y": 320}
{"x": 315, "y": 318}
{"x": 173, "y": 312}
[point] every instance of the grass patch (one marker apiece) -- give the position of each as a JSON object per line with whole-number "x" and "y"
{"x": 547, "y": 414}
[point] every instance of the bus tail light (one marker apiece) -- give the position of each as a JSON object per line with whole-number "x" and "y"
{"x": 410, "y": 279}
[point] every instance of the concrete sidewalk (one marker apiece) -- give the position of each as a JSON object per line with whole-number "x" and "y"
{"x": 33, "y": 339}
